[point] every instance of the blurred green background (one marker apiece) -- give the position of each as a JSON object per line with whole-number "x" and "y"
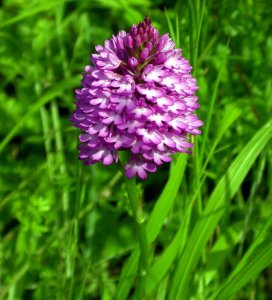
{"x": 65, "y": 229}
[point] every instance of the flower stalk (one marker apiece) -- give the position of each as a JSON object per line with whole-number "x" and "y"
{"x": 138, "y": 215}
{"x": 139, "y": 220}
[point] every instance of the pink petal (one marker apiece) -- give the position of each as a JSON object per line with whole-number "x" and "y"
{"x": 108, "y": 159}
{"x": 130, "y": 171}
{"x": 142, "y": 173}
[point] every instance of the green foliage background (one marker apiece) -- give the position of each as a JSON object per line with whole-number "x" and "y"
{"x": 66, "y": 230}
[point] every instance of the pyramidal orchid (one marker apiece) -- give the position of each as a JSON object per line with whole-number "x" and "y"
{"x": 138, "y": 97}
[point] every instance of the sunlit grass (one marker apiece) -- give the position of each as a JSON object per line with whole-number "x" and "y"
{"x": 66, "y": 230}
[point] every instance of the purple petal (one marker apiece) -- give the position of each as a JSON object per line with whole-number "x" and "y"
{"x": 130, "y": 171}
{"x": 151, "y": 167}
{"x": 149, "y": 91}
{"x": 142, "y": 173}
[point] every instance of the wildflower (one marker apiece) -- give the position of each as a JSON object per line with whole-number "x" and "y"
{"x": 139, "y": 97}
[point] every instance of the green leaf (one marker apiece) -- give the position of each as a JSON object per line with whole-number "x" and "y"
{"x": 166, "y": 199}
{"x": 221, "y": 249}
{"x": 259, "y": 260}
{"x": 162, "y": 265}
{"x": 224, "y": 191}
{"x": 252, "y": 252}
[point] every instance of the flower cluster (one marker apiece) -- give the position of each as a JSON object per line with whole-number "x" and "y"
{"x": 139, "y": 97}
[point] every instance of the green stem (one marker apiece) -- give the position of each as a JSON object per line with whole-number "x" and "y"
{"x": 136, "y": 205}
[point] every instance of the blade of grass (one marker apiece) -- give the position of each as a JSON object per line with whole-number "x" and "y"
{"x": 162, "y": 290}
{"x": 162, "y": 265}
{"x": 194, "y": 30}
{"x": 177, "y": 40}
{"x": 259, "y": 260}
{"x": 231, "y": 114}
{"x": 60, "y": 154}
{"x": 224, "y": 191}
{"x": 250, "y": 201}
{"x": 128, "y": 274}
{"x": 74, "y": 236}
{"x": 11, "y": 290}
{"x": 83, "y": 282}
{"x": 47, "y": 97}
{"x": 264, "y": 232}
{"x": 170, "y": 26}
{"x": 47, "y": 140}
{"x": 60, "y": 32}
{"x": 211, "y": 107}
{"x": 31, "y": 11}
{"x": 166, "y": 199}
{"x": 219, "y": 252}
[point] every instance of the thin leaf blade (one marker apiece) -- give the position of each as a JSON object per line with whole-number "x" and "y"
{"x": 224, "y": 191}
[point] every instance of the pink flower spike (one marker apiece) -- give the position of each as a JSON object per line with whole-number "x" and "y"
{"x": 138, "y": 96}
